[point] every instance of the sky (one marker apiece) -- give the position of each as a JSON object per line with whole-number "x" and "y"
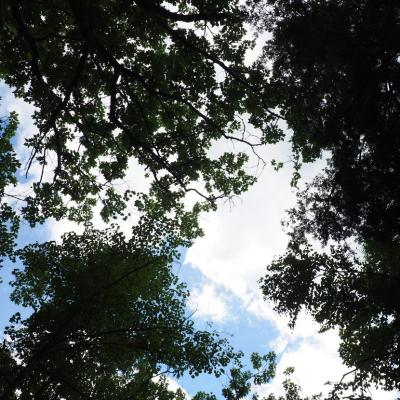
{"x": 222, "y": 270}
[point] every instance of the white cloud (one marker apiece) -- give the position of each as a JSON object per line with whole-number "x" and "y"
{"x": 315, "y": 360}
{"x": 207, "y": 303}
{"x": 240, "y": 239}
{"x": 305, "y": 327}
{"x": 243, "y": 235}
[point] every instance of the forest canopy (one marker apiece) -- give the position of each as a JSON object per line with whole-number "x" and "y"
{"x": 112, "y": 84}
{"x": 335, "y": 74}
{"x": 150, "y": 91}
{"x": 115, "y": 86}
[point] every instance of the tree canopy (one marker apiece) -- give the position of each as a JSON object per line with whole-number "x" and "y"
{"x": 9, "y": 222}
{"x": 107, "y": 317}
{"x": 118, "y": 86}
{"x": 335, "y": 77}
{"x": 115, "y": 84}
{"x": 112, "y": 82}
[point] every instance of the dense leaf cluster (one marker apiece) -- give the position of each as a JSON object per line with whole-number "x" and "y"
{"x": 335, "y": 75}
{"x": 107, "y": 317}
{"x": 9, "y": 221}
{"x": 116, "y": 84}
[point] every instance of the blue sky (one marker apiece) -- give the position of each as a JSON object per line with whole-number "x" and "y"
{"x": 222, "y": 270}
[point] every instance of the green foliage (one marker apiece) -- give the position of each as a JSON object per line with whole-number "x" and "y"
{"x": 204, "y": 396}
{"x": 333, "y": 74}
{"x": 292, "y": 390}
{"x": 158, "y": 84}
{"x": 243, "y": 382}
{"x": 9, "y": 220}
{"x": 246, "y": 384}
{"x": 340, "y": 290}
{"x": 334, "y": 78}
{"x": 114, "y": 84}
{"x": 108, "y": 317}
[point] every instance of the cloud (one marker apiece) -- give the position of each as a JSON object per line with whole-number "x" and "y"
{"x": 209, "y": 303}
{"x": 315, "y": 360}
{"x": 241, "y": 237}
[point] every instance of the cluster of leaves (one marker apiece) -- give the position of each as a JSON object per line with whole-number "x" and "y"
{"x": 153, "y": 82}
{"x": 356, "y": 296}
{"x": 107, "y": 317}
{"x": 335, "y": 76}
{"x": 244, "y": 383}
{"x": 9, "y": 221}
